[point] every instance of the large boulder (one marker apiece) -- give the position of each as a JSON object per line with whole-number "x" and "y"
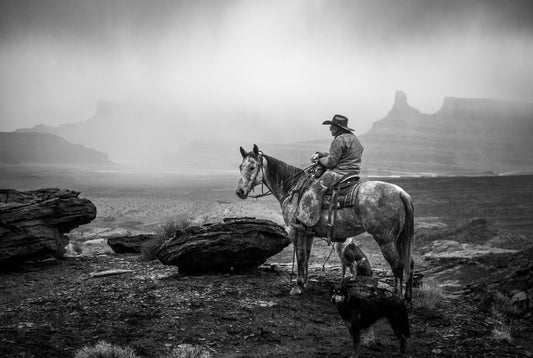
{"x": 234, "y": 245}
{"x": 33, "y": 223}
{"x": 124, "y": 244}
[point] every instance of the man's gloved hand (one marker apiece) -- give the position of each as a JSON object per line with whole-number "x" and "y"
{"x": 314, "y": 158}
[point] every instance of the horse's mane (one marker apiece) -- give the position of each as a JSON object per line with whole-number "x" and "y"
{"x": 282, "y": 173}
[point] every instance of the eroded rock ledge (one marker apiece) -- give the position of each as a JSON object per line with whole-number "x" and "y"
{"x": 33, "y": 223}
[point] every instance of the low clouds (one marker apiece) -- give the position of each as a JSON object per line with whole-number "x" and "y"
{"x": 302, "y": 60}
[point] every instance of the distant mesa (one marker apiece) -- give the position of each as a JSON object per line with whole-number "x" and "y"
{"x": 465, "y": 136}
{"x": 400, "y": 107}
{"x": 45, "y": 148}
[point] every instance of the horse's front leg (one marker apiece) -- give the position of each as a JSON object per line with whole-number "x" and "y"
{"x": 308, "y": 240}
{"x": 299, "y": 242}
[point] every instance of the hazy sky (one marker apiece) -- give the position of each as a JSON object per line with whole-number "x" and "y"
{"x": 300, "y": 60}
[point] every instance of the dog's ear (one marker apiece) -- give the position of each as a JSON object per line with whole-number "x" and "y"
{"x": 344, "y": 290}
{"x": 331, "y": 287}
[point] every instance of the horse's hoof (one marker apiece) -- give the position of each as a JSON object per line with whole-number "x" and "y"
{"x": 296, "y": 290}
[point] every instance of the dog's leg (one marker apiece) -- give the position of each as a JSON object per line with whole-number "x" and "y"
{"x": 343, "y": 272}
{"x": 356, "y": 339}
{"x": 399, "y": 321}
{"x": 396, "y": 327}
{"x": 353, "y": 269}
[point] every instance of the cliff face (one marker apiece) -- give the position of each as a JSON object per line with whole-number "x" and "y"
{"x": 465, "y": 135}
{"x": 44, "y": 148}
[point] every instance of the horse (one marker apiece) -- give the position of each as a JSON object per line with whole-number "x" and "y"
{"x": 383, "y": 210}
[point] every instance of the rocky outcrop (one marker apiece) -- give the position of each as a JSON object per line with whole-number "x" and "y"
{"x": 235, "y": 245}
{"x": 509, "y": 283}
{"x": 467, "y": 135}
{"x": 33, "y": 223}
{"x": 129, "y": 243}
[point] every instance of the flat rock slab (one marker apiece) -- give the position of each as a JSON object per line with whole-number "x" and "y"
{"x": 129, "y": 243}
{"x": 234, "y": 245}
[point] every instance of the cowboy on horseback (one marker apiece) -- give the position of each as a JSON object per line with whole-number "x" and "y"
{"x": 344, "y": 158}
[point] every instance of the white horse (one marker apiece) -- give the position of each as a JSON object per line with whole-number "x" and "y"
{"x": 382, "y": 209}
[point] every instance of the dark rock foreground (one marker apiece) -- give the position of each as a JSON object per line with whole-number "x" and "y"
{"x": 33, "y": 223}
{"x": 129, "y": 244}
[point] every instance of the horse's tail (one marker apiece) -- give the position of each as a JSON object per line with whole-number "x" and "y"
{"x": 405, "y": 239}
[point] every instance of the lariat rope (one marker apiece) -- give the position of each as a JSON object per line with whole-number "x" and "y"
{"x": 327, "y": 259}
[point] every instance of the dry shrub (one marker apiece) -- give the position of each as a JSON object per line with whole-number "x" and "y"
{"x": 164, "y": 231}
{"x": 77, "y": 247}
{"x": 368, "y": 337}
{"x": 105, "y": 350}
{"x": 504, "y": 305}
{"x": 500, "y": 310}
{"x": 429, "y": 294}
{"x": 190, "y": 351}
{"x": 502, "y": 331}
{"x": 169, "y": 227}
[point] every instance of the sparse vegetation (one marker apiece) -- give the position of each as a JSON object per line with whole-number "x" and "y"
{"x": 164, "y": 231}
{"x": 190, "y": 351}
{"x": 169, "y": 227}
{"x": 368, "y": 337}
{"x": 429, "y": 295}
{"x": 503, "y": 305}
{"x": 502, "y": 332}
{"x": 501, "y": 310}
{"x": 105, "y": 350}
{"x": 77, "y": 247}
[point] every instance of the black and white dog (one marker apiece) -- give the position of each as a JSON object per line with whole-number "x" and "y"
{"x": 361, "y": 312}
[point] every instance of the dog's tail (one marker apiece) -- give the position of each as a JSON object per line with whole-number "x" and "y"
{"x": 405, "y": 241}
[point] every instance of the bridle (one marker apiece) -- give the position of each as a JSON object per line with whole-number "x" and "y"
{"x": 261, "y": 167}
{"x": 269, "y": 192}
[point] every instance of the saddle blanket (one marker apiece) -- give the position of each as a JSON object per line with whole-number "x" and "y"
{"x": 346, "y": 196}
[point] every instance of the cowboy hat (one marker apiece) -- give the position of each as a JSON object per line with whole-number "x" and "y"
{"x": 339, "y": 121}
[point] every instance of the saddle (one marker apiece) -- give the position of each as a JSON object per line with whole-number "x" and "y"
{"x": 342, "y": 194}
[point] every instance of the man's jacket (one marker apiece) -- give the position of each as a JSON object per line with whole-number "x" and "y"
{"x": 344, "y": 154}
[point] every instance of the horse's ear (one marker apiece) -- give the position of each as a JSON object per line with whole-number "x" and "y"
{"x": 243, "y": 152}
{"x": 256, "y": 150}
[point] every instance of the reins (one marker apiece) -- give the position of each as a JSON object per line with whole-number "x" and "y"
{"x": 269, "y": 192}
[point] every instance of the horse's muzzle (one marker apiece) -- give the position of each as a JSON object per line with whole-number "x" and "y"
{"x": 241, "y": 193}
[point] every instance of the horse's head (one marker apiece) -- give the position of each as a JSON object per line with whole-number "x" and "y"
{"x": 251, "y": 173}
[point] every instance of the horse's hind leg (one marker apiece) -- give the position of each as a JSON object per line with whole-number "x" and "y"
{"x": 392, "y": 257}
{"x": 409, "y": 283}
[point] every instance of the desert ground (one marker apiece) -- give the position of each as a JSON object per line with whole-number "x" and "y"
{"x": 473, "y": 242}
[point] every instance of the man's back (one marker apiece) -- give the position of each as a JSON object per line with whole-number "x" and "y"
{"x": 344, "y": 154}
